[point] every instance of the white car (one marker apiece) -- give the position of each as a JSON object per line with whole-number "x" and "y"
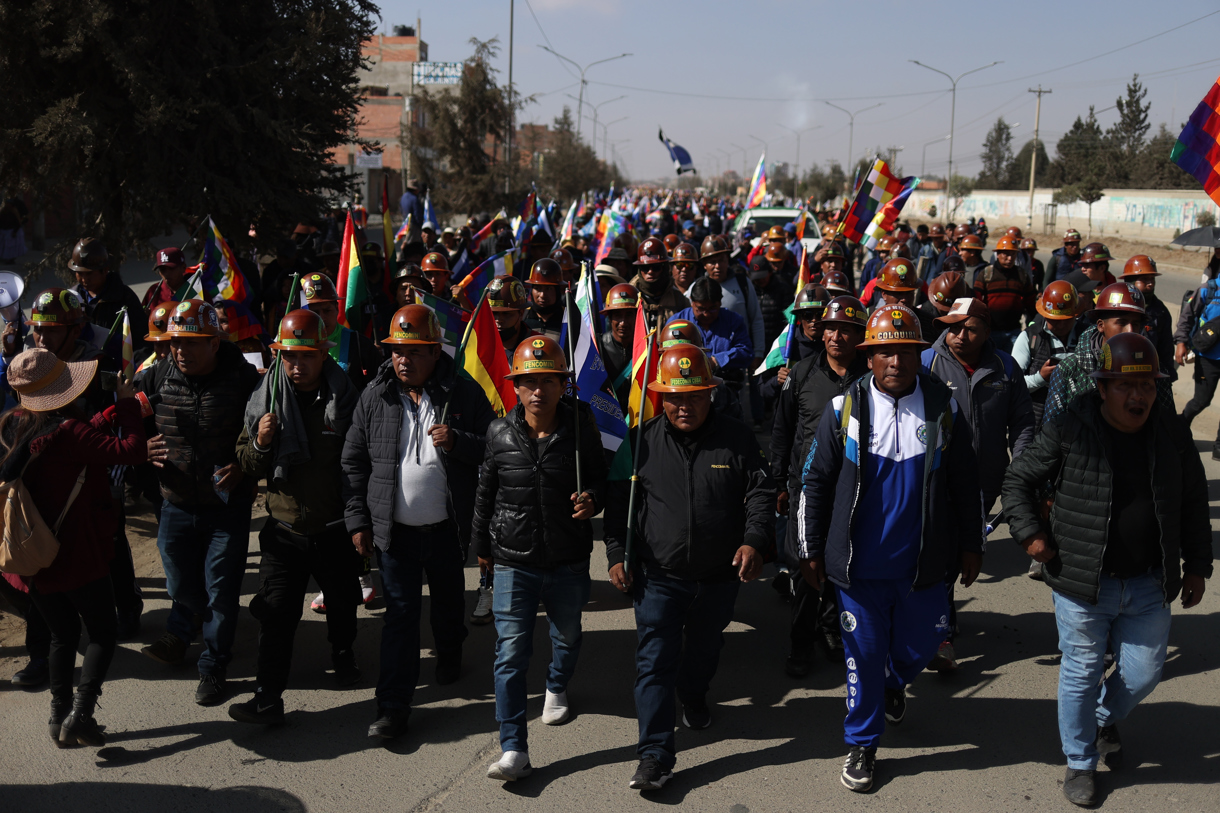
{"x": 764, "y": 217}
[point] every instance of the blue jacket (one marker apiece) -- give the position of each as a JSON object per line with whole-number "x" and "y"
{"x": 949, "y": 504}
{"x": 1207, "y": 305}
{"x": 412, "y": 204}
{"x": 1060, "y": 266}
{"x": 727, "y": 340}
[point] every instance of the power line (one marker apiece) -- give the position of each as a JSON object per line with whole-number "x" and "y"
{"x": 545, "y": 37}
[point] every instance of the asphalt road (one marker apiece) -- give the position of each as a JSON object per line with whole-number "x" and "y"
{"x": 984, "y": 738}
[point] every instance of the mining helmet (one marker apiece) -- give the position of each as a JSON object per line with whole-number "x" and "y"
{"x": 301, "y": 330}
{"x": 435, "y": 261}
{"x": 776, "y": 233}
{"x": 897, "y": 275}
{"x": 194, "y": 319}
{"x": 652, "y": 251}
{"x": 685, "y": 253}
{"x": 56, "y": 307}
{"x": 776, "y": 253}
{"x": 683, "y": 368}
{"x": 947, "y": 288}
{"x": 1117, "y": 297}
{"x": 622, "y": 297}
{"x": 538, "y": 354}
{"x": 318, "y": 288}
{"x": 158, "y": 322}
{"x": 893, "y": 324}
{"x": 1007, "y": 243}
{"x": 1128, "y": 355}
{"x": 1095, "y": 253}
{"x": 506, "y": 293}
{"x": 845, "y": 310}
{"x": 545, "y": 272}
{"x": 953, "y": 262}
{"x": 961, "y": 232}
{"x": 681, "y": 331}
{"x": 713, "y": 244}
{"x": 1071, "y": 236}
{"x": 886, "y": 243}
{"x": 1028, "y": 244}
{"x": 564, "y": 258}
{"x": 1014, "y": 232}
{"x": 971, "y": 242}
{"x": 811, "y": 298}
{"x": 89, "y": 254}
{"x": 836, "y": 281}
{"x": 414, "y": 324}
{"x": 1058, "y": 301}
{"x": 833, "y": 249}
{"x": 671, "y": 241}
{"x": 410, "y": 271}
{"x": 1141, "y": 265}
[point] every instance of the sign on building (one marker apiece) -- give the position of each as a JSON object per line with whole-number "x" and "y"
{"x": 436, "y": 73}
{"x": 368, "y": 160}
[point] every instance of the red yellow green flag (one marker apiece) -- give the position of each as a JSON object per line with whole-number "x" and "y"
{"x": 353, "y": 290}
{"x": 483, "y": 361}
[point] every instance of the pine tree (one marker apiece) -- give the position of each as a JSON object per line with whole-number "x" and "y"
{"x": 1125, "y": 138}
{"x": 997, "y": 156}
{"x": 571, "y": 166}
{"x": 1080, "y": 154}
{"x": 1018, "y": 174}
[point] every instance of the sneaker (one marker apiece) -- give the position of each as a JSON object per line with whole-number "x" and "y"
{"x": 799, "y": 664}
{"x": 318, "y": 605}
{"x": 695, "y": 715}
{"x": 1079, "y": 787}
{"x": 259, "y": 710}
{"x": 513, "y": 765}
{"x": 895, "y": 705}
{"x": 367, "y": 591}
{"x": 390, "y": 723}
{"x": 211, "y": 690}
{"x": 1035, "y": 570}
{"x": 346, "y": 671}
{"x": 945, "y": 660}
{"x": 36, "y": 673}
{"x": 650, "y": 775}
{"x": 782, "y": 584}
{"x": 482, "y": 608}
{"x": 858, "y": 769}
{"x": 1110, "y": 746}
{"x": 555, "y": 710}
{"x": 168, "y": 649}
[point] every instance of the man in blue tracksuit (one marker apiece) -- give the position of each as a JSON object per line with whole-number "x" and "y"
{"x": 888, "y": 522}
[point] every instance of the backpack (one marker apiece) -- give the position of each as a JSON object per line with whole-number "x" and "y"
{"x": 28, "y": 545}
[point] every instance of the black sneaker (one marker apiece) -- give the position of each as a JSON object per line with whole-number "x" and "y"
{"x": 448, "y": 667}
{"x": 1079, "y": 787}
{"x": 695, "y": 715}
{"x": 649, "y": 775}
{"x": 36, "y": 673}
{"x": 858, "y": 769}
{"x": 390, "y": 723}
{"x": 895, "y": 705}
{"x": 211, "y": 690}
{"x": 1110, "y": 746}
{"x": 168, "y": 649}
{"x": 259, "y": 710}
{"x": 346, "y": 671}
{"x": 799, "y": 664}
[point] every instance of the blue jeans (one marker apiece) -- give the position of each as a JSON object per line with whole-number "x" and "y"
{"x": 1132, "y": 615}
{"x": 203, "y": 552}
{"x": 680, "y": 630}
{"x": 412, "y": 553}
{"x": 564, "y": 592}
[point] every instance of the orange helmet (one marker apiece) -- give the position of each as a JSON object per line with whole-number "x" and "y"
{"x": 302, "y": 330}
{"x": 545, "y": 272}
{"x": 414, "y": 324}
{"x": 1058, "y": 301}
{"x": 505, "y": 293}
{"x": 1014, "y": 232}
{"x": 564, "y": 258}
{"x": 318, "y": 288}
{"x": 683, "y": 368}
{"x": 776, "y": 233}
{"x": 886, "y": 243}
{"x": 845, "y": 310}
{"x": 1141, "y": 265}
{"x": 194, "y": 319}
{"x": 435, "y": 261}
{"x": 947, "y": 288}
{"x": 622, "y": 297}
{"x": 1007, "y": 243}
{"x": 776, "y": 253}
{"x": 680, "y": 331}
{"x": 56, "y": 307}
{"x": 685, "y": 253}
{"x": 897, "y": 275}
{"x": 652, "y": 251}
{"x": 538, "y": 355}
{"x": 1095, "y": 253}
{"x": 970, "y": 242}
{"x": 1128, "y": 355}
{"x": 892, "y": 324}
{"x": 158, "y": 321}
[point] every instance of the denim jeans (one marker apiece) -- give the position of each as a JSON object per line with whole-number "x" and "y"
{"x": 563, "y": 591}
{"x": 1004, "y": 338}
{"x": 412, "y": 553}
{"x": 203, "y": 552}
{"x": 680, "y": 630}
{"x": 1132, "y": 615}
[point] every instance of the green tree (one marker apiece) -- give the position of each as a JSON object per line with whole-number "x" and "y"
{"x": 997, "y": 156}
{"x": 150, "y": 112}
{"x": 1018, "y": 175}
{"x": 570, "y": 166}
{"x": 1154, "y": 170}
{"x": 824, "y": 184}
{"x": 1125, "y": 138}
{"x": 1080, "y": 153}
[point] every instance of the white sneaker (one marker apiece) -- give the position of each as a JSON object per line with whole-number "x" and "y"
{"x": 368, "y": 591}
{"x": 555, "y": 710}
{"x": 482, "y": 608}
{"x": 318, "y": 605}
{"x": 513, "y": 765}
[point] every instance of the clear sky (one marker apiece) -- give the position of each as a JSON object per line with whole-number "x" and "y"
{"x": 714, "y": 73}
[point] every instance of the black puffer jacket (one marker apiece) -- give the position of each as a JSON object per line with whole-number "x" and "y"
{"x": 1071, "y": 451}
{"x": 201, "y": 418}
{"x": 523, "y": 508}
{"x": 370, "y": 452}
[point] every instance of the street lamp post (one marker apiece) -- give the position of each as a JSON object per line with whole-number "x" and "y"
{"x": 582, "y": 75}
{"x": 851, "y": 130}
{"x": 605, "y": 134}
{"x": 743, "y": 157}
{"x": 796, "y": 174}
{"x": 923, "y": 162}
{"x": 595, "y": 108}
{"x": 952, "y": 119}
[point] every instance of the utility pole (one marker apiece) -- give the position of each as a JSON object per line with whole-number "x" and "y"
{"x": 1033, "y": 157}
{"x": 508, "y": 142}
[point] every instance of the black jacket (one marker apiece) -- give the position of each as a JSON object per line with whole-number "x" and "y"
{"x": 370, "y": 452}
{"x": 694, "y": 507}
{"x": 201, "y": 418}
{"x": 1071, "y": 452}
{"x": 523, "y": 508}
{"x": 103, "y": 310}
{"x": 617, "y": 358}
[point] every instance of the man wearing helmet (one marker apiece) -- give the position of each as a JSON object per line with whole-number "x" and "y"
{"x": 1048, "y": 340}
{"x": 943, "y": 291}
{"x": 704, "y": 515}
{"x": 1008, "y": 291}
{"x": 295, "y": 442}
{"x": 1131, "y": 533}
{"x": 508, "y": 300}
{"x": 1066, "y": 259}
{"x": 618, "y": 342}
{"x": 737, "y": 293}
{"x": 881, "y": 255}
{"x": 807, "y": 389}
{"x": 354, "y": 352}
{"x": 409, "y": 481}
{"x": 546, "y": 296}
{"x": 1140, "y": 273}
{"x": 889, "y": 567}
{"x": 198, "y": 400}
{"x": 102, "y": 291}
{"x": 807, "y": 319}
{"x": 725, "y": 338}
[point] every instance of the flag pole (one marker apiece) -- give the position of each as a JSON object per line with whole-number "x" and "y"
{"x": 461, "y": 352}
{"x": 572, "y": 378}
{"x": 629, "y": 541}
{"x": 274, "y": 371}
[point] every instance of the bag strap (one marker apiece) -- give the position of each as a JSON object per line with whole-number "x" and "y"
{"x": 80, "y": 481}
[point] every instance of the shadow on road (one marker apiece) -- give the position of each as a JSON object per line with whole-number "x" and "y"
{"x": 95, "y": 797}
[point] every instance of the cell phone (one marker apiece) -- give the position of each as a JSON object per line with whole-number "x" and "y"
{"x": 109, "y": 381}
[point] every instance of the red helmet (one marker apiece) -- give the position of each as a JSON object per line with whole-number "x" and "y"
{"x": 55, "y": 307}
{"x": 652, "y": 251}
{"x": 545, "y": 272}
{"x": 1141, "y": 265}
{"x": 1118, "y": 297}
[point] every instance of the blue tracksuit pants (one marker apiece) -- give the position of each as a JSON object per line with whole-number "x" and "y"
{"x": 890, "y": 632}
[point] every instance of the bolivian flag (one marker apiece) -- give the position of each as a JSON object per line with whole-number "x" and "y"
{"x": 353, "y": 290}
{"x": 639, "y": 375}
{"x": 482, "y": 360}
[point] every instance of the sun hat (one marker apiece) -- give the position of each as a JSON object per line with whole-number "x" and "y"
{"x": 45, "y": 383}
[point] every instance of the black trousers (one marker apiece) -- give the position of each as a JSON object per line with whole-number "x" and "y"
{"x": 288, "y": 560}
{"x": 812, "y": 614}
{"x": 1207, "y": 375}
{"x": 127, "y": 596}
{"x": 63, "y": 612}
{"x": 37, "y": 633}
